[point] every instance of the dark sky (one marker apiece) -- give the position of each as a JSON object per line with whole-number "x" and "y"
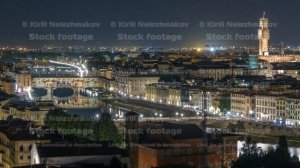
{"x": 13, "y": 13}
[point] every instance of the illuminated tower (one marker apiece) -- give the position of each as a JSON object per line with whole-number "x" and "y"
{"x": 263, "y": 36}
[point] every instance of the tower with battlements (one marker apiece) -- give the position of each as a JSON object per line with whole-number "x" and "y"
{"x": 263, "y": 36}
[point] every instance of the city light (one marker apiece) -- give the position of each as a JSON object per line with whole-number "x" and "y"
{"x": 81, "y": 72}
{"x": 128, "y": 91}
{"x": 29, "y": 93}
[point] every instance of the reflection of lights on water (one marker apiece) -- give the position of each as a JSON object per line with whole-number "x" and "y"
{"x": 120, "y": 114}
{"x": 264, "y": 146}
{"x": 29, "y": 93}
{"x": 77, "y": 67}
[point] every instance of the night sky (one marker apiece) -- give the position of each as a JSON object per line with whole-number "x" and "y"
{"x": 13, "y": 13}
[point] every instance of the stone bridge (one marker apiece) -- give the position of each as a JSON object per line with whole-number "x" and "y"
{"x": 71, "y": 82}
{"x": 76, "y": 83}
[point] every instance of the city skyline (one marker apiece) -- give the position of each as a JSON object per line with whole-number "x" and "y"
{"x": 149, "y": 84}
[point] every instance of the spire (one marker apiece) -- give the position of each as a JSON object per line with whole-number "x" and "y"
{"x": 264, "y": 13}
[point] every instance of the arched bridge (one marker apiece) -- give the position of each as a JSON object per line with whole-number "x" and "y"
{"x": 72, "y": 82}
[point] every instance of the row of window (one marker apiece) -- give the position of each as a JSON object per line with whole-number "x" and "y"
{"x": 265, "y": 110}
{"x": 22, "y": 148}
{"x": 265, "y": 103}
{"x": 22, "y": 157}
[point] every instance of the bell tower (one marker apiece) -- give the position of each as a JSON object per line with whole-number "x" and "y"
{"x": 263, "y": 36}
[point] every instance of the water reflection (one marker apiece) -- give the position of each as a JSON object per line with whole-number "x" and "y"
{"x": 78, "y": 103}
{"x": 63, "y": 92}
{"x": 265, "y": 146}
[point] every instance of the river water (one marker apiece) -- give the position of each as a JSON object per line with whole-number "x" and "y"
{"x": 78, "y": 102}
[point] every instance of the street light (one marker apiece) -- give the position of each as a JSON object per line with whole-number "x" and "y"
{"x": 160, "y": 115}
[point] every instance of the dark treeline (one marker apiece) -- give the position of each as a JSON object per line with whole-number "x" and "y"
{"x": 252, "y": 156}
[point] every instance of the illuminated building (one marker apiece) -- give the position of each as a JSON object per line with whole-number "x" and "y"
{"x": 23, "y": 81}
{"x": 16, "y": 142}
{"x": 8, "y": 85}
{"x": 158, "y": 93}
{"x": 242, "y": 104}
{"x": 266, "y": 107}
{"x": 263, "y": 44}
{"x": 35, "y": 114}
{"x": 175, "y": 96}
{"x": 293, "y": 110}
{"x": 133, "y": 85}
{"x": 263, "y": 36}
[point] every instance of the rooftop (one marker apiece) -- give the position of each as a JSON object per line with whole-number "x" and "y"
{"x": 77, "y": 149}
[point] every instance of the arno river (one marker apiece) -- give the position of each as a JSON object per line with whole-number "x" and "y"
{"x": 77, "y": 102}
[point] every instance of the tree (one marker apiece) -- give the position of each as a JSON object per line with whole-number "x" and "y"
{"x": 280, "y": 157}
{"x": 224, "y": 105}
{"x": 253, "y": 157}
{"x": 53, "y": 115}
{"x": 250, "y": 155}
{"x": 107, "y": 130}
